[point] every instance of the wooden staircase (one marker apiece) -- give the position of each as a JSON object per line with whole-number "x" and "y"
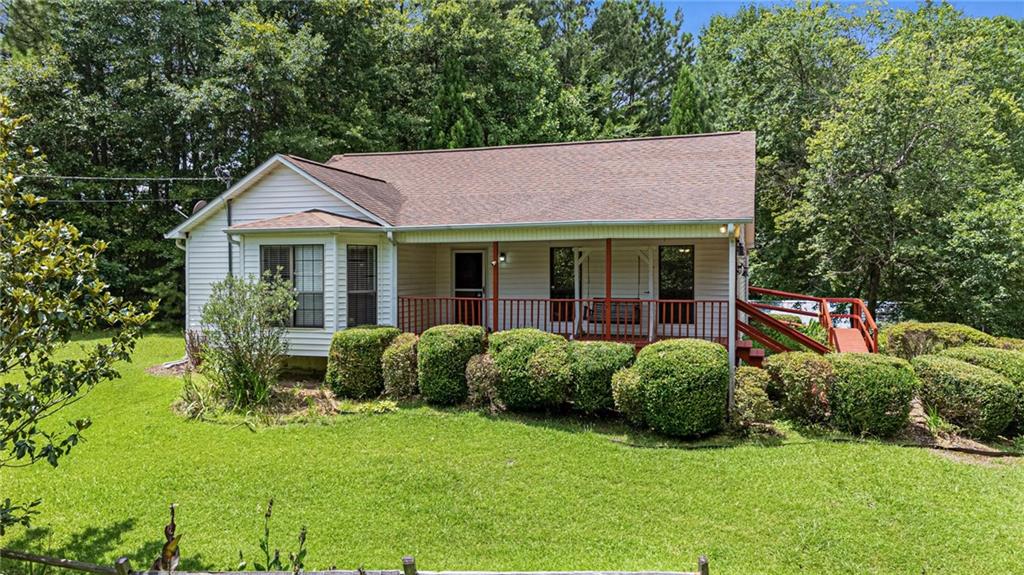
{"x": 856, "y": 331}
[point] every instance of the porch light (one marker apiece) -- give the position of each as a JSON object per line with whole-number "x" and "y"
{"x": 501, "y": 258}
{"x": 723, "y": 229}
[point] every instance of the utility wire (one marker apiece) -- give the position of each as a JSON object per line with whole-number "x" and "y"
{"x": 118, "y": 201}
{"x": 125, "y": 178}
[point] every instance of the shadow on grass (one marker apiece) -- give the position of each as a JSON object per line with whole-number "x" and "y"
{"x": 91, "y": 545}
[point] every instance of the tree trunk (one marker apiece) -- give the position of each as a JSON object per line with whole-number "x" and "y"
{"x": 874, "y": 282}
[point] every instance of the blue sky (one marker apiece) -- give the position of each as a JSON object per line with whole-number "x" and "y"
{"x": 697, "y": 13}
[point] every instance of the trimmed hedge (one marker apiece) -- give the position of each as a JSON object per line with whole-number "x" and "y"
{"x": 1010, "y": 343}
{"x": 1006, "y": 362}
{"x": 511, "y": 351}
{"x": 628, "y": 395}
{"x": 912, "y": 338}
{"x": 443, "y": 353}
{"x": 684, "y": 385}
{"x": 482, "y": 379}
{"x": 978, "y": 400}
{"x": 593, "y": 364}
{"x": 354, "y": 361}
{"x": 751, "y": 405}
{"x": 549, "y": 372}
{"x": 871, "y": 393}
{"x": 801, "y": 381}
{"x": 398, "y": 364}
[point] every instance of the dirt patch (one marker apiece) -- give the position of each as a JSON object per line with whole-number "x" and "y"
{"x": 169, "y": 369}
{"x": 951, "y": 445}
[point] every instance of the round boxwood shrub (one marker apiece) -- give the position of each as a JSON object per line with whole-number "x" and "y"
{"x": 443, "y": 352}
{"x": 1010, "y": 343}
{"x": 354, "y": 361}
{"x": 911, "y": 338}
{"x": 685, "y": 385}
{"x": 800, "y": 382}
{"x": 871, "y": 393}
{"x": 511, "y": 351}
{"x": 399, "y": 367}
{"x": 593, "y": 364}
{"x": 549, "y": 371}
{"x": 978, "y": 400}
{"x": 482, "y": 378}
{"x": 751, "y": 406}
{"x": 628, "y": 395}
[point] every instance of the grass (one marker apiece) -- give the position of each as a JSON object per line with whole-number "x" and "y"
{"x": 460, "y": 490}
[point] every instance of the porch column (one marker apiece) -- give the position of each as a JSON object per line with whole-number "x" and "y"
{"x": 608, "y": 288}
{"x": 731, "y": 330}
{"x": 495, "y": 263}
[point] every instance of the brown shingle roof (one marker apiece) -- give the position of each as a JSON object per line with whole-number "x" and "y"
{"x": 309, "y": 219}
{"x": 677, "y": 178}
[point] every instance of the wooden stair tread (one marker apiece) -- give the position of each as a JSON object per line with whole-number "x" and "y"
{"x": 850, "y": 340}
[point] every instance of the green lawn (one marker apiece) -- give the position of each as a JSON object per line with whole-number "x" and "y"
{"x": 461, "y": 490}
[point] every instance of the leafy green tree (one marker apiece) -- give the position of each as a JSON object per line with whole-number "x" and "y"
{"x": 911, "y": 158}
{"x": 453, "y": 123}
{"x": 779, "y": 70}
{"x": 50, "y": 291}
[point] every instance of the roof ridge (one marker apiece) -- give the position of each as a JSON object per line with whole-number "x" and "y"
{"x": 336, "y": 169}
{"x": 537, "y": 145}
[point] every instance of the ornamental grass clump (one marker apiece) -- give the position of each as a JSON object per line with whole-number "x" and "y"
{"x": 682, "y": 386}
{"x": 911, "y": 338}
{"x": 244, "y": 324}
{"x": 977, "y": 400}
{"x": 398, "y": 365}
{"x": 443, "y": 352}
{"x": 871, "y": 393}
{"x": 354, "y": 361}
{"x": 511, "y": 351}
{"x": 591, "y": 369}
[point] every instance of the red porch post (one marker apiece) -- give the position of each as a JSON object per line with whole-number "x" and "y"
{"x": 608, "y": 288}
{"x": 495, "y": 262}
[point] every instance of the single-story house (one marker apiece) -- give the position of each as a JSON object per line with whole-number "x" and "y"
{"x": 632, "y": 239}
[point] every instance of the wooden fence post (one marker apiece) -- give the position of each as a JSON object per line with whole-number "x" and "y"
{"x": 409, "y": 565}
{"x": 702, "y": 565}
{"x": 122, "y": 566}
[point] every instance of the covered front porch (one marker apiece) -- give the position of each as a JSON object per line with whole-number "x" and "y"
{"x": 634, "y": 290}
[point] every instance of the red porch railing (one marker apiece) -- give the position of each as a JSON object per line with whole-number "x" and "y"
{"x": 632, "y": 320}
{"x": 862, "y": 324}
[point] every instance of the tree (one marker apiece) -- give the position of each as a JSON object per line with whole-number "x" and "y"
{"x": 50, "y": 291}
{"x": 778, "y": 71}
{"x": 688, "y": 114}
{"x": 907, "y": 171}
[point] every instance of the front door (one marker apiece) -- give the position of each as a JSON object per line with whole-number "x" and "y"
{"x": 469, "y": 287}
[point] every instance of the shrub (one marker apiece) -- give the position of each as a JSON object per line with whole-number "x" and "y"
{"x": 511, "y": 351}
{"x": 751, "y": 406}
{"x": 911, "y": 338}
{"x": 1006, "y": 362}
{"x": 443, "y": 353}
{"x": 548, "y": 370}
{"x": 398, "y": 364}
{"x": 593, "y": 364}
{"x": 482, "y": 379}
{"x": 871, "y": 393}
{"x": 245, "y": 346}
{"x": 978, "y": 400}
{"x": 354, "y": 361}
{"x": 1010, "y": 343}
{"x": 684, "y": 384}
{"x": 801, "y": 381}
{"x": 628, "y": 395}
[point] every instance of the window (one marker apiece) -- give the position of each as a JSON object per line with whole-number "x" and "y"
{"x": 675, "y": 282}
{"x": 563, "y": 282}
{"x": 304, "y": 266}
{"x": 362, "y": 285}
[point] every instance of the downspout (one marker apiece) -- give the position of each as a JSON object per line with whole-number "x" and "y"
{"x": 394, "y": 279}
{"x": 231, "y": 259}
{"x": 731, "y": 230}
{"x": 182, "y": 244}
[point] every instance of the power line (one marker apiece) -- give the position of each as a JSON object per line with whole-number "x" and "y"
{"x": 124, "y": 178}
{"x": 117, "y": 201}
